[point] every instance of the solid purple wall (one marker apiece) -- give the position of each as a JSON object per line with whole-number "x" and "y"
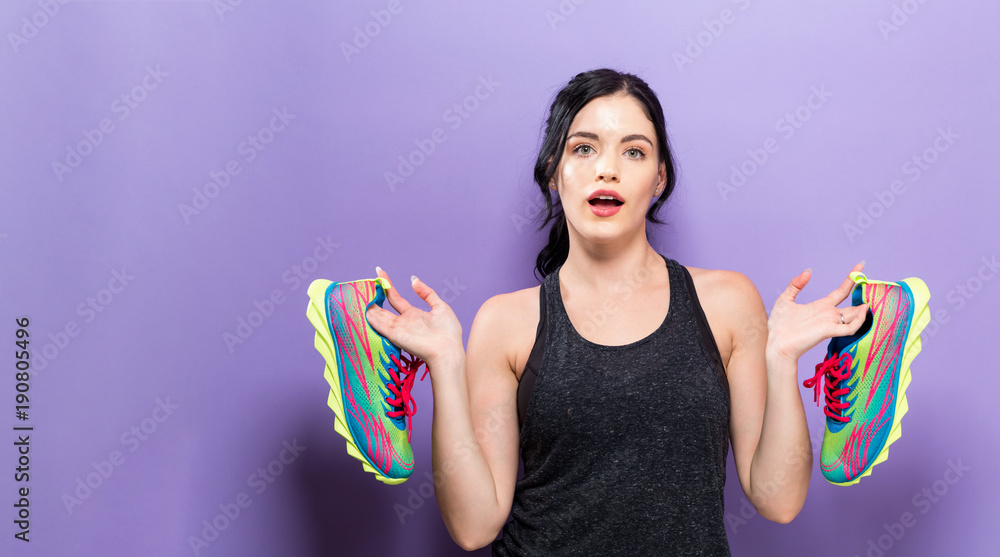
{"x": 869, "y": 86}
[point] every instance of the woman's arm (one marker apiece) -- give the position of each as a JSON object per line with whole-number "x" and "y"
{"x": 474, "y": 435}
{"x": 770, "y": 437}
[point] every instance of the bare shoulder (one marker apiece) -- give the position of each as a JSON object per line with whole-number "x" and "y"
{"x": 510, "y": 320}
{"x": 732, "y": 306}
{"x": 719, "y": 286}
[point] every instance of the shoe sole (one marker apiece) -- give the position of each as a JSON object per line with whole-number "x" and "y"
{"x": 912, "y": 347}
{"x": 316, "y": 312}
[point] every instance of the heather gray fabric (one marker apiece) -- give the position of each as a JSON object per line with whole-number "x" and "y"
{"x": 624, "y": 447}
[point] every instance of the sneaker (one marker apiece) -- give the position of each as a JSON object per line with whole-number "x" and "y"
{"x": 370, "y": 378}
{"x": 865, "y": 377}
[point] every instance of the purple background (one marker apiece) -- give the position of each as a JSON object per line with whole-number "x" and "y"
{"x": 461, "y": 223}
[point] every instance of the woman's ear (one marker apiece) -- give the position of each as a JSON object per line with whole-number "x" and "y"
{"x": 552, "y": 182}
{"x": 661, "y": 179}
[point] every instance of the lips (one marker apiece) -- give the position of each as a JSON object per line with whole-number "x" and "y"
{"x": 605, "y": 198}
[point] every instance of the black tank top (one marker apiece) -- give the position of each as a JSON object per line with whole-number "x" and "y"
{"x": 624, "y": 447}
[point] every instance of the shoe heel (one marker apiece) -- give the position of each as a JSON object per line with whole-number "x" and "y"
{"x": 913, "y": 346}
{"x": 323, "y": 343}
{"x": 921, "y": 309}
{"x": 921, "y": 297}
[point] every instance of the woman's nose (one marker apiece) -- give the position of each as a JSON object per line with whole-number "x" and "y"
{"x": 607, "y": 171}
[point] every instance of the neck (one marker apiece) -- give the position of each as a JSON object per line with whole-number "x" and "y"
{"x": 607, "y": 267}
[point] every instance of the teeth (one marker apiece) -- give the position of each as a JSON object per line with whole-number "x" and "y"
{"x": 605, "y": 197}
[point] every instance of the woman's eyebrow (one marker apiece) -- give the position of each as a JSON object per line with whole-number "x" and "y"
{"x": 626, "y": 139}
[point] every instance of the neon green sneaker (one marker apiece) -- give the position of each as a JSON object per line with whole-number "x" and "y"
{"x": 370, "y": 379}
{"x": 866, "y": 375}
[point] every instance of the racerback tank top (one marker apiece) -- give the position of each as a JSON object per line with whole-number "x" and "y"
{"x": 624, "y": 447}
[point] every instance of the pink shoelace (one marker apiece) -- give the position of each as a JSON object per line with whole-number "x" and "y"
{"x": 834, "y": 371}
{"x": 401, "y": 384}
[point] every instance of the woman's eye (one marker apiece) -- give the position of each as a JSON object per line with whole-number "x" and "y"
{"x": 583, "y": 149}
{"x": 635, "y": 153}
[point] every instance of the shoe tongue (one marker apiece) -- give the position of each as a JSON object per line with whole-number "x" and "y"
{"x": 857, "y": 295}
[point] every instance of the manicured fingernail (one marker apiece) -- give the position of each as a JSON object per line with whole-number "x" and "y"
{"x": 413, "y": 278}
{"x": 377, "y": 269}
{"x": 809, "y": 270}
{"x": 862, "y": 262}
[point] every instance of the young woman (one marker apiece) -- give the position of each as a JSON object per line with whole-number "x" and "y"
{"x": 623, "y": 377}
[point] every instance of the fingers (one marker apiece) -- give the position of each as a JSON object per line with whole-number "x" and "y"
{"x": 396, "y": 299}
{"x": 379, "y": 319}
{"x": 426, "y": 293}
{"x": 841, "y": 293}
{"x": 797, "y": 284}
{"x": 844, "y": 290}
{"x": 854, "y": 318}
{"x": 399, "y": 303}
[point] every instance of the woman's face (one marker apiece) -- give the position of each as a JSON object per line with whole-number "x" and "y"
{"x": 611, "y": 145}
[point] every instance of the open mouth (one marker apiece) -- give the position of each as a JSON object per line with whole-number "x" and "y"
{"x": 603, "y": 202}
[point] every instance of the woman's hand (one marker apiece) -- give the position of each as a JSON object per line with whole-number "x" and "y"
{"x": 433, "y": 336}
{"x": 793, "y": 329}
